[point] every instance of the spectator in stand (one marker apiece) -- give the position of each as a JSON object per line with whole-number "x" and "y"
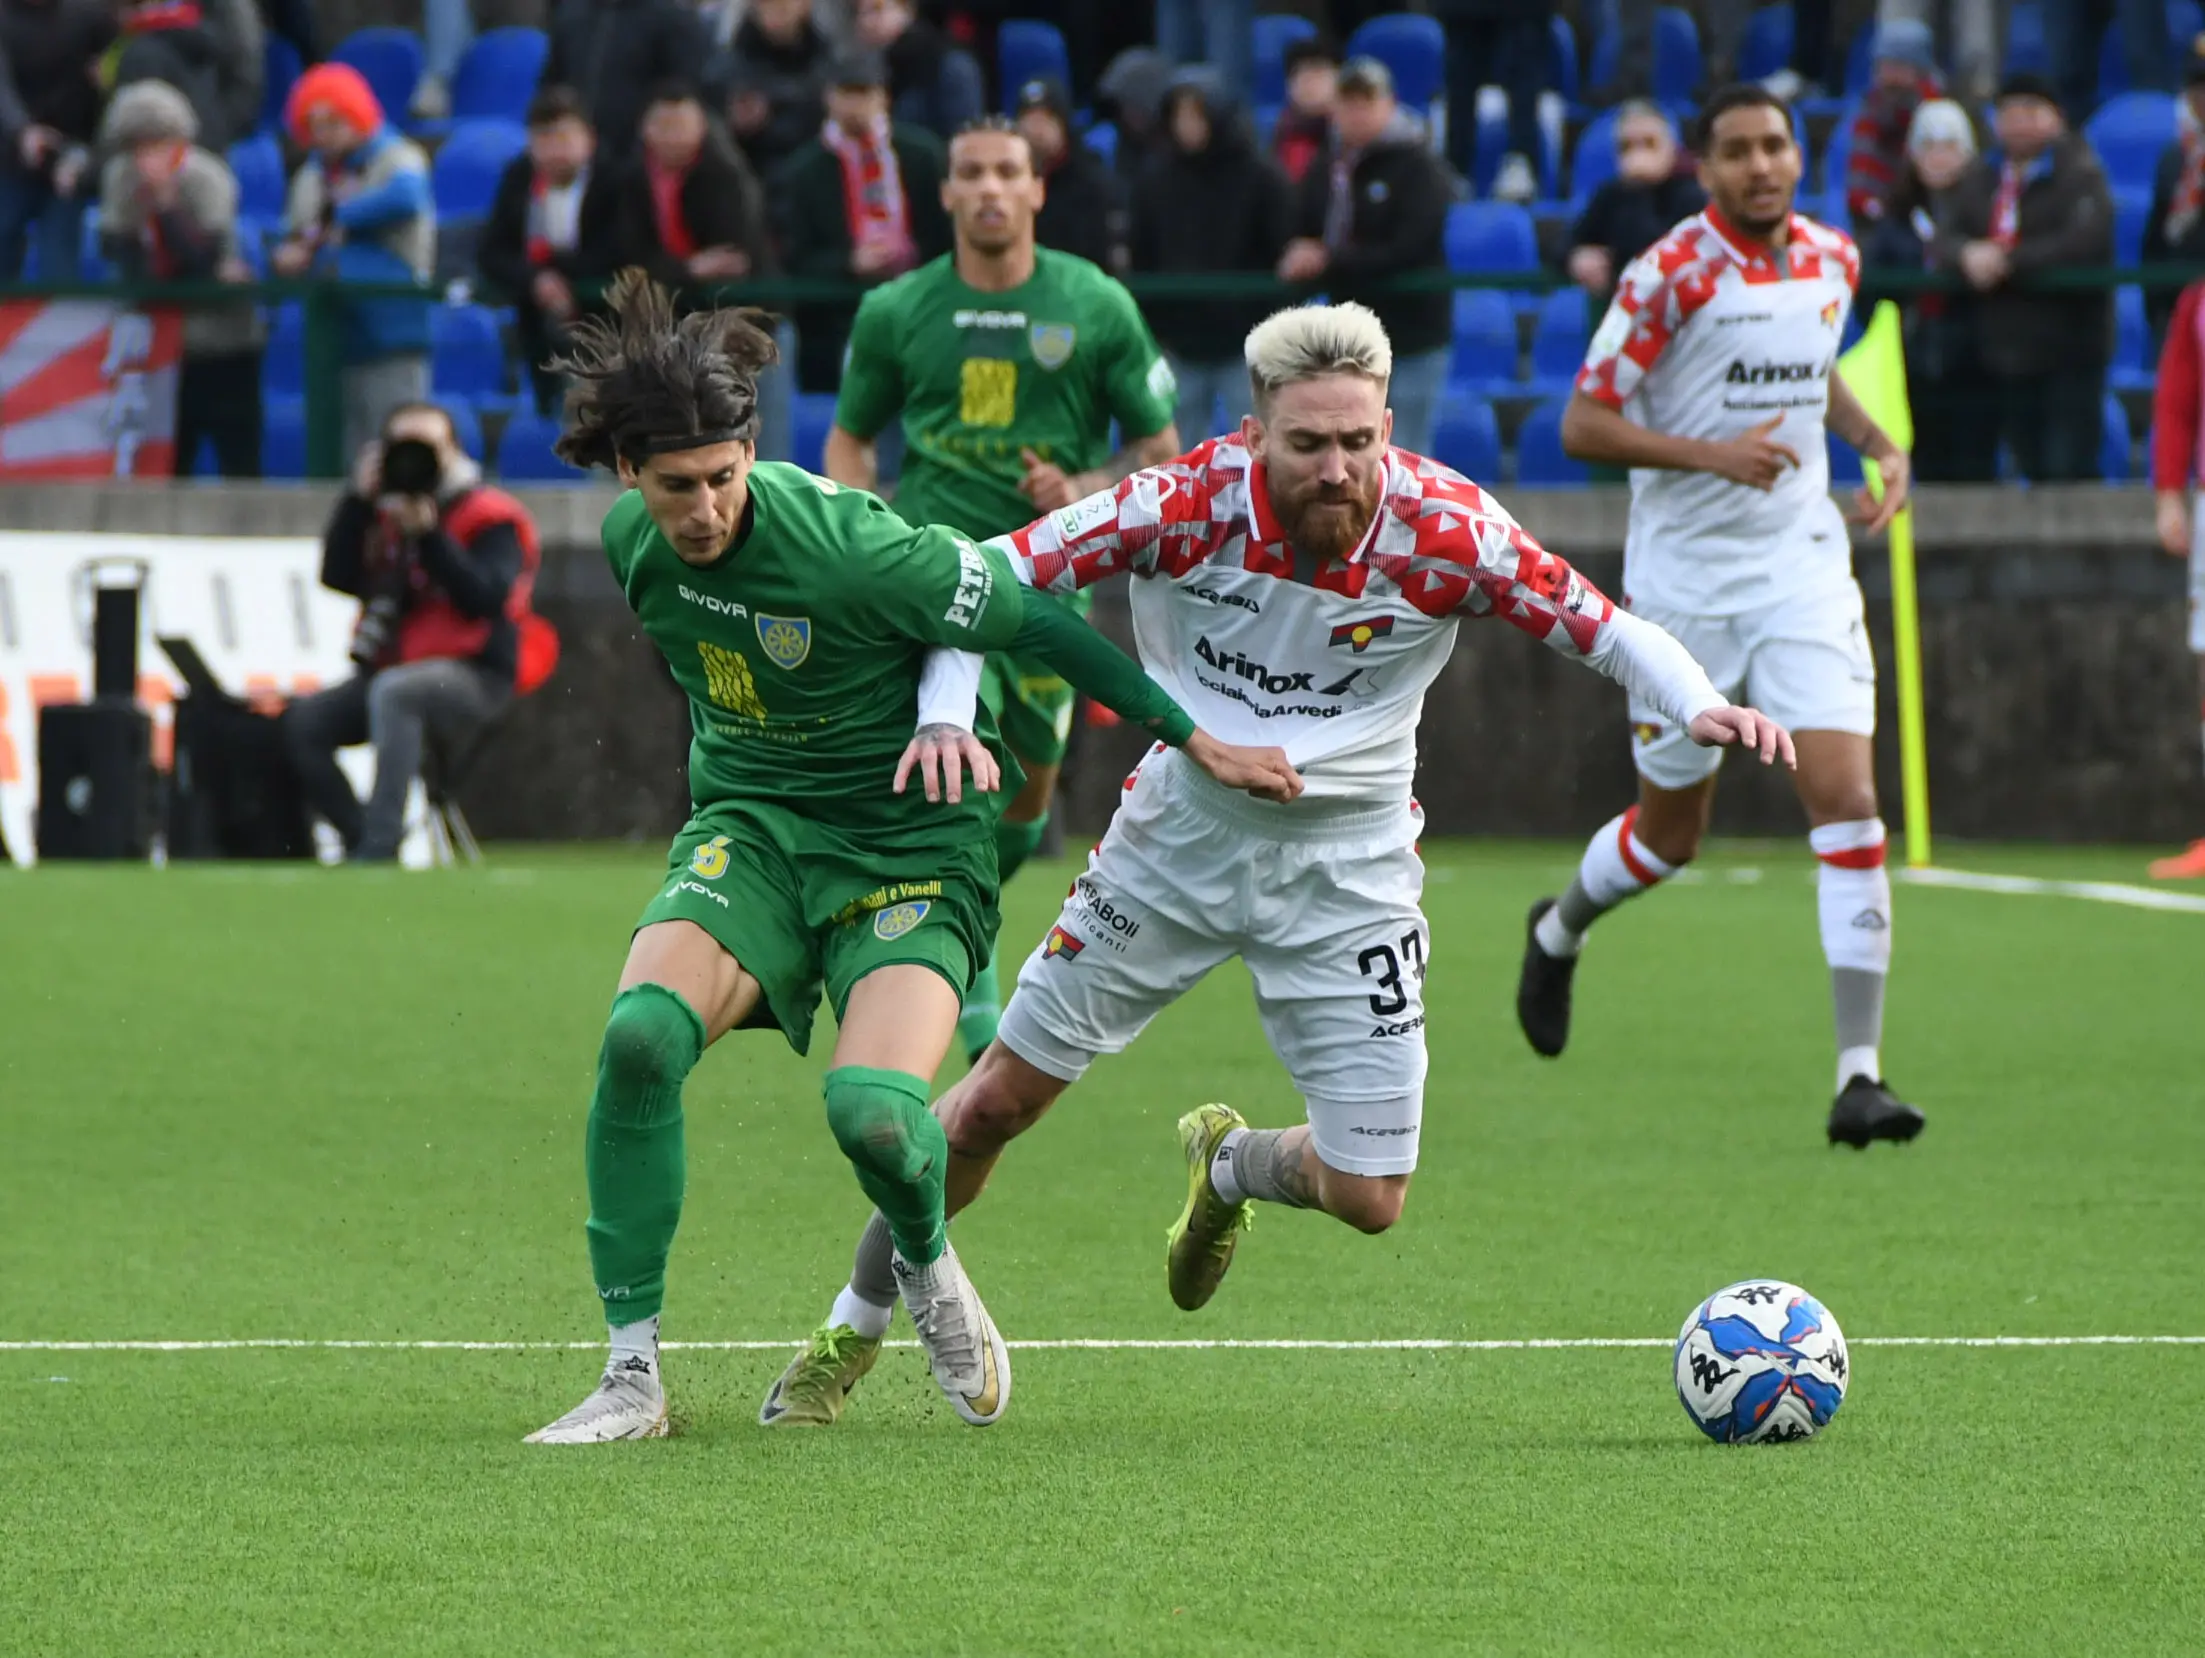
{"x": 1218, "y": 33}
{"x": 690, "y": 209}
{"x": 1905, "y": 79}
{"x": 1503, "y": 43}
{"x": 1312, "y": 87}
{"x": 1374, "y": 206}
{"x": 360, "y": 211}
{"x": 49, "y": 114}
{"x": 2174, "y": 233}
{"x": 169, "y": 41}
{"x": 1953, "y": 396}
{"x": 2045, "y": 204}
{"x": 443, "y": 567}
{"x": 1131, "y": 95}
{"x": 2074, "y": 36}
{"x": 1082, "y": 207}
{"x": 168, "y": 213}
{"x": 553, "y": 226}
{"x": 862, "y": 201}
{"x": 778, "y": 66}
{"x": 615, "y": 53}
{"x": 1651, "y": 191}
{"x": 931, "y": 82}
{"x": 293, "y": 21}
{"x": 1211, "y": 202}
{"x": 2178, "y": 467}
{"x": 447, "y": 30}
{"x": 240, "y": 63}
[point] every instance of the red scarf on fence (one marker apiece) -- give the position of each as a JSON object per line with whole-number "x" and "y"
{"x": 674, "y": 234}
{"x": 873, "y": 201}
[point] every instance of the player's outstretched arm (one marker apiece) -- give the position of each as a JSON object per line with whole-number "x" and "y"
{"x": 943, "y": 748}
{"x": 1592, "y": 431}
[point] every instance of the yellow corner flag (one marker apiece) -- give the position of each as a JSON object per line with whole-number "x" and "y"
{"x": 1875, "y": 370}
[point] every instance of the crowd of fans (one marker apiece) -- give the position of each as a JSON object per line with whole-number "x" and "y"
{"x": 752, "y": 139}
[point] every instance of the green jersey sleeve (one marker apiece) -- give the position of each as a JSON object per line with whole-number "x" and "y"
{"x": 622, "y": 535}
{"x": 1138, "y": 385}
{"x": 937, "y": 586}
{"x": 872, "y": 375}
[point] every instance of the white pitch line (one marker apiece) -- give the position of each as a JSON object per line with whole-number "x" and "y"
{"x": 2096, "y": 892}
{"x": 1104, "y": 1344}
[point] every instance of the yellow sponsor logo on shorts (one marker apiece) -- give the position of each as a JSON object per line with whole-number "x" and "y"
{"x": 898, "y": 919}
{"x": 880, "y": 898}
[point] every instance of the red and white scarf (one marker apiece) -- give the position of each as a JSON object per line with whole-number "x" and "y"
{"x": 545, "y": 239}
{"x": 674, "y": 234}
{"x": 2006, "y": 206}
{"x": 872, "y": 192}
{"x": 2188, "y": 200}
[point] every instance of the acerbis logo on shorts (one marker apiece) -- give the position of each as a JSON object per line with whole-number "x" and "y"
{"x": 687, "y": 885}
{"x": 1402, "y": 1029}
{"x": 1061, "y": 943}
{"x": 892, "y": 923}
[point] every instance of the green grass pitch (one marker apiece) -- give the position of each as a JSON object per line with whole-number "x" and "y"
{"x": 243, "y": 1103}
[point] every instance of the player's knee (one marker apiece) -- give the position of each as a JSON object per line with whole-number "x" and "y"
{"x": 879, "y": 1119}
{"x": 992, "y": 1108}
{"x": 1369, "y": 1203}
{"x": 652, "y": 1041}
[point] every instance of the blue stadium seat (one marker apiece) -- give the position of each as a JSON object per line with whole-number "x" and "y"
{"x": 2182, "y": 20}
{"x": 1566, "y": 76}
{"x": 1677, "y": 63}
{"x": 1767, "y": 46}
{"x": 1860, "y": 59}
{"x": 283, "y": 437}
{"x": 92, "y": 265}
{"x": 2130, "y": 132}
{"x": 257, "y": 163}
{"x": 2113, "y": 449}
{"x": 467, "y": 355}
{"x": 1468, "y": 438}
{"x": 524, "y": 452}
{"x": 1844, "y": 462}
{"x": 1491, "y": 236}
{"x": 1412, "y": 47}
{"x": 814, "y": 412}
{"x": 2131, "y": 210}
{"x": 1540, "y": 463}
{"x": 2132, "y": 368}
{"x": 2027, "y": 49}
{"x": 1492, "y": 145}
{"x": 279, "y": 72}
{"x": 1592, "y": 162}
{"x": 1026, "y": 50}
{"x": 389, "y": 60}
{"x": 464, "y": 177}
{"x": 1485, "y": 353}
{"x": 498, "y": 75}
{"x": 1275, "y": 32}
{"x": 1102, "y": 138}
{"x": 283, "y": 363}
{"x": 1837, "y": 151}
{"x": 1558, "y": 341}
{"x": 466, "y": 424}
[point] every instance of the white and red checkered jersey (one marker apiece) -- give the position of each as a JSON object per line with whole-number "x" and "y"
{"x": 1709, "y": 335}
{"x": 1266, "y": 646}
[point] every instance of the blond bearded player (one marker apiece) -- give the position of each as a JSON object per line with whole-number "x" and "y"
{"x": 1300, "y": 584}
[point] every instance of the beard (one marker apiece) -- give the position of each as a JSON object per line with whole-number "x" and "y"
{"x": 1326, "y": 521}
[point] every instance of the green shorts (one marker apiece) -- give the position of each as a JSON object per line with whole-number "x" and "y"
{"x": 1032, "y": 706}
{"x": 802, "y": 905}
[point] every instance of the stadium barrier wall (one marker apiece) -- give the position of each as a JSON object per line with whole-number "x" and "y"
{"x": 2061, "y": 695}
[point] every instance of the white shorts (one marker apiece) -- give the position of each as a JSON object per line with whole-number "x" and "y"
{"x": 1321, "y": 905}
{"x": 1803, "y": 662}
{"x": 2197, "y": 575}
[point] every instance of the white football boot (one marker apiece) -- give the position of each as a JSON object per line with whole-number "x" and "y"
{"x": 971, "y": 1364}
{"x": 630, "y": 1403}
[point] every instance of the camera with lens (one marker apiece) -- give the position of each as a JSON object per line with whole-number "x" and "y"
{"x": 411, "y": 467}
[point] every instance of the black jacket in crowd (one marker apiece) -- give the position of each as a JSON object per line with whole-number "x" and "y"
{"x": 502, "y": 251}
{"x": 721, "y": 198}
{"x": 614, "y": 52}
{"x": 1227, "y": 207}
{"x": 1082, "y": 209}
{"x": 1627, "y": 218}
{"x": 932, "y": 82}
{"x": 2066, "y": 218}
{"x": 2159, "y": 249}
{"x": 791, "y": 77}
{"x": 469, "y": 582}
{"x": 190, "y": 60}
{"x": 48, "y": 51}
{"x": 1398, "y": 223}
{"x": 815, "y": 236}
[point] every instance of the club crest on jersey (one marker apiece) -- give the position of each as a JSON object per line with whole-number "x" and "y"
{"x": 787, "y": 639}
{"x": 898, "y": 919}
{"x": 1830, "y": 314}
{"x": 1051, "y": 343}
{"x": 1646, "y": 731}
{"x": 1358, "y": 636}
{"x": 1061, "y": 943}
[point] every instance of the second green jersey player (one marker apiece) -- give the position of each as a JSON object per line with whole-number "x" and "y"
{"x": 797, "y": 616}
{"x": 1007, "y": 364}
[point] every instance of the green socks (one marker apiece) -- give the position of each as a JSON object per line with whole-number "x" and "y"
{"x": 881, "y": 1121}
{"x": 634, "y": 1154}
{"x": 1014, "y": 844}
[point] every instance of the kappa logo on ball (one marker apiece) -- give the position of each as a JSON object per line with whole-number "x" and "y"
{"x": 1061, "y": 943}
{"x": 1359, "y": 636}
{"x": 898, "y": 919}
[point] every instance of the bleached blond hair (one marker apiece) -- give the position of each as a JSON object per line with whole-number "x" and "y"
{"x": 1305, "y": 341}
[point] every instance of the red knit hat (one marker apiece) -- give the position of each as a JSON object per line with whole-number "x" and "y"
{"x": 337, "y": 87}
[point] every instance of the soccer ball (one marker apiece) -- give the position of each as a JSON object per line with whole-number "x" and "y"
{"x": 1761, "y": 1361}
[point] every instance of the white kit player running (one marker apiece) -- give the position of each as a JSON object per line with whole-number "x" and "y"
{"x": 1713, "y": 377}
{"x": 1301, "y": 585}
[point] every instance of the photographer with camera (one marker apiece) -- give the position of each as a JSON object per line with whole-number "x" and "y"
{"x": 443, "y": 567}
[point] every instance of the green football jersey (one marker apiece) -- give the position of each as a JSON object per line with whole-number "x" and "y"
{"x": 979, "y": 376}
{"x": 801, "y": 648}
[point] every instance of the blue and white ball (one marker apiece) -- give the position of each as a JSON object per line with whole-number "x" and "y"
{"x": 1761, "y": 1361}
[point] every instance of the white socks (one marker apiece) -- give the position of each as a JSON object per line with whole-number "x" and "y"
{"x": 634, "y": 1341}
{"x": 1853, "y": 896}
{"x": 867, "y": 1318}
{"x": 1617, "y": 865}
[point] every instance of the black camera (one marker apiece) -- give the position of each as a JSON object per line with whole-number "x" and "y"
{"x": 411, "y": 467}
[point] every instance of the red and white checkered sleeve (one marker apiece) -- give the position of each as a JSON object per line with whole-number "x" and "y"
{"x": 1472, "y": 559}
{"x": 1127, "y": 529}
{"x": 1641, "y": 321}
